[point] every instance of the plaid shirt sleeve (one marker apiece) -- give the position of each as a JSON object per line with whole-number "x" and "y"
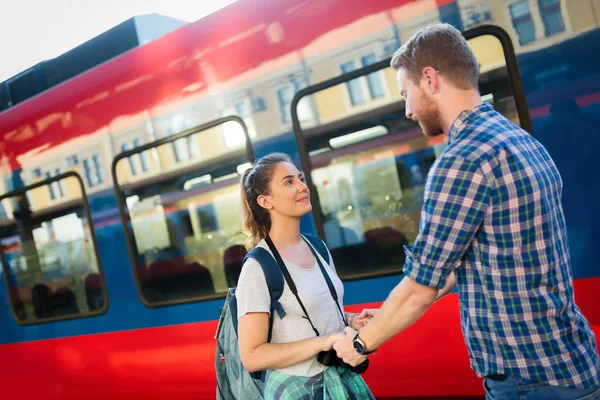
{"x": 455, "y": 201}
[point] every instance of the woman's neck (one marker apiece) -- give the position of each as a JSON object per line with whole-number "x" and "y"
{"x": 285, "y": 232}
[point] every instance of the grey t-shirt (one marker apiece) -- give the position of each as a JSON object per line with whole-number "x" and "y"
{"x": 252, "y": 295}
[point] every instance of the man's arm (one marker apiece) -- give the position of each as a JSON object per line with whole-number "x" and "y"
{"x": 456, "y": 199}
{"x": 362, "y": 319}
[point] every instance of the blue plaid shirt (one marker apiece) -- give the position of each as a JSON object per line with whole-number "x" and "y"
{"x": 492, "y": 213}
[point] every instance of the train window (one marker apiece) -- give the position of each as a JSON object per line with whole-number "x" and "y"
{"x": 49, "y": 254}
{"x": 183, "y": 223}
{"x": 368, "y": 165}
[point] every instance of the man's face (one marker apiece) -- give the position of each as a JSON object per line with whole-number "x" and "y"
{"x": 420, "y": 105}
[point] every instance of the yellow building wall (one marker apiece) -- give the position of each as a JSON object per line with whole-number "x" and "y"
{"x": 330, "y": 103}
{"x": 210, "y": 143}
{"x": 584, "y": 15}
{"x": 40, "y": 197}
{"x": 390, "y": 81}
{"x": 488, "y": 51}
{"x": 73, "y": 188}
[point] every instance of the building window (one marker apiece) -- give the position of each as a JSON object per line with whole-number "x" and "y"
{"x": 242, "y": 110}
{"x": 232, "y": 132}
{"x": 284, "y": 96}
{"x": 185, "y": 148}
{"x": 367, "y": 87}
{"x": 56, "y": 190}
{"x": 552, "y": 16}
{"x": 354, "y": 87}
{"x": 133, "y": 161}
{"x": 72, "y": 161}
{"x": 98, "y": 168}
{"x": 258, "y": 104}
{"x": 144, "y": 156}
{"x": 374, "y": 79}
{"x": 139, "y": 162}
{"x": 92, "y": 169}
{"x": 475, "y": 14}
{"x": 521, "y": 20}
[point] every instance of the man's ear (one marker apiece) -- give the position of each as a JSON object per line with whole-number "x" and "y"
{"x": 264, "y": 201}
{"x": 431, "y": 80}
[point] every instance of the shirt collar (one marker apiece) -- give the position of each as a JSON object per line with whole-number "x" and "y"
{"x": 464, "y": 117}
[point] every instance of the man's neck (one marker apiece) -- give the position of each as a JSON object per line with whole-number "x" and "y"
{"x": 456, "y": 102}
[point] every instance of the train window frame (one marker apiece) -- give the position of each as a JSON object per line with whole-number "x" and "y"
{"x": 121, "y": 201}
{"x": 53, "y": 209}
{"x": 513, "y": 77}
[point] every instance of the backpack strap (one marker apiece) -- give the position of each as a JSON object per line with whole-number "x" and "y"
{"x": 274, "y": 281}
{"x": 319, "y": 245}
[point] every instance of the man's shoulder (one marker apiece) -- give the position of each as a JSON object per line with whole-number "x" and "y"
{"x": 484, "y": 142}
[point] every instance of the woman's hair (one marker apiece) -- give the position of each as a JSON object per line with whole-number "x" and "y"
{"x": 255, "y": 182}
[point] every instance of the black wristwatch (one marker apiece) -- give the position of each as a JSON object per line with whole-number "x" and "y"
{"x": 360, "y": 346}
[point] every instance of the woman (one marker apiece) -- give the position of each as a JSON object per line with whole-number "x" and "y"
{"x": 275, "y": 197}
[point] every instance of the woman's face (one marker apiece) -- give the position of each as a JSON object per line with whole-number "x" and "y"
{"x": 289, "y": 196}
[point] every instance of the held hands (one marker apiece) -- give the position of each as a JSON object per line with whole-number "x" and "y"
{"x": 359, "y": 321}
{"x": 344, "y": 347}
{"x": 329, "y": 340}
{"x": 343, "y": 344}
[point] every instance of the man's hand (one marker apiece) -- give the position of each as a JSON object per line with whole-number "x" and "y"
{"x": 344, "y": 348}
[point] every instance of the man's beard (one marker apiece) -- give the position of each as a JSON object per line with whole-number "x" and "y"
{"x": 429, "y": 118}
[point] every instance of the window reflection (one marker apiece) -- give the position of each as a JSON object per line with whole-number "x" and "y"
{"x": 49, "y": 257}
{"x": 369, "y": 167}
{"x": 185, "y": 226}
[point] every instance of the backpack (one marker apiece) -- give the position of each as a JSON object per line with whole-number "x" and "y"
{"x": 233, "y": 381}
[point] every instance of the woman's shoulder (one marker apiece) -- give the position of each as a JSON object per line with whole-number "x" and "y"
{"x": 251, "y": 272}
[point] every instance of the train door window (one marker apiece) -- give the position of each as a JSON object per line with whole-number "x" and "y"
{"x": 183, "y": 225}
{"x": 49, "y": 254}
{"x": 368, "y": 166}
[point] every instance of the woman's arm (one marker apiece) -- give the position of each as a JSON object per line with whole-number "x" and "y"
{"x": 257, "y": 354}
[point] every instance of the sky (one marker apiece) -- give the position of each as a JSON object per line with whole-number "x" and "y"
{"x": 35, "y": 30}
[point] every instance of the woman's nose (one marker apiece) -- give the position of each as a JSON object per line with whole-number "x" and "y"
{"x": 302, "y": 186}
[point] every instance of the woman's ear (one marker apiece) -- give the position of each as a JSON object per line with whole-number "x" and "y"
{"x": 264, "y": 201}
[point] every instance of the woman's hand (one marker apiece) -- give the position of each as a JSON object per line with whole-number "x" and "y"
{"x": 361, "y": 320}
{"x": 329, "y": 340}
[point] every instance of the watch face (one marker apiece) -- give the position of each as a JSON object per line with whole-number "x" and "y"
{"x": 358, "y": 346}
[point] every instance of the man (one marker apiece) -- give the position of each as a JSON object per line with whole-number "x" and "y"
{"x": 492, "y": 223}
